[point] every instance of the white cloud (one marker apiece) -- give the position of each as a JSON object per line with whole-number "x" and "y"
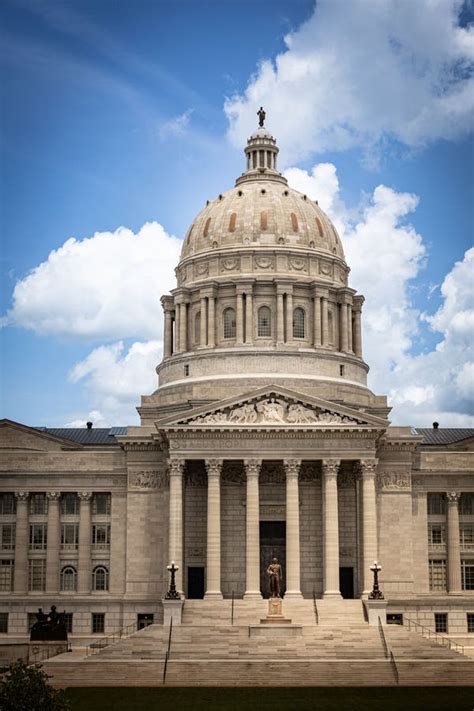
{"x": 103, "y": 287}
{"x": 176, "y": 126}
{"x": 360, "y": 71}
{"x": 386, "y": 254}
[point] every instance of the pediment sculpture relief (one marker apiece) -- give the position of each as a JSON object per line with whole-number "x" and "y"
{"x": 273, "y": 410}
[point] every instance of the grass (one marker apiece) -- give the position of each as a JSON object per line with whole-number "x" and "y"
{"x": 273, "y": 699}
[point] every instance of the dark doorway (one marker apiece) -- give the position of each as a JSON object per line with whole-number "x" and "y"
{"x": 346, "y": 582}
{"x": 196, "y": 583}
{"x": 144, "y": 619}
{"x": 272, "y": 545}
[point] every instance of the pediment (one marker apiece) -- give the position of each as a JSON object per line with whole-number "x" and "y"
{"x": 15, "y": 436}
{"x": 273, "y": 408}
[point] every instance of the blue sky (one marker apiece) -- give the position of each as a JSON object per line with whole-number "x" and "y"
{"x": 119, "y": 114}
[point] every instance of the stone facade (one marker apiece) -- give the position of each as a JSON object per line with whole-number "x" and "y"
{"x": 262, "y": 437}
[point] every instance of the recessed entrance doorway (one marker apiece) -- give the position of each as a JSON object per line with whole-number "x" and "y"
{"x": 346, "y": 582}
{"x": 272, "y": 545}
{"x": 195, "y": 582}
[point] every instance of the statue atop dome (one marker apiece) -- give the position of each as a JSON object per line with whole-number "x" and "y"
{"x": 261, "y": 116}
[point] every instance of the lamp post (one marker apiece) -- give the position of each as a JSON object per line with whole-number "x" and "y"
{"x": 376, "y": 593}
{"x": 172, "y": 593}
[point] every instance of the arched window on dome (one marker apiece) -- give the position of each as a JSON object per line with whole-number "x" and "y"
{"x": 263, "y": 220}
{"x": 197, "y": 328}
{"x": 206, "y": 227}
{"x": 232, "y": 222}
{"x": 294, "y": 222}
{"x": 264, "y": 322}
{"x": 229, "y": 323}
{"x": 298, "y": 323}
{"x": 100, "y": 578}
{"x": 68, "y": 579}
{"x": 319, "y": 226}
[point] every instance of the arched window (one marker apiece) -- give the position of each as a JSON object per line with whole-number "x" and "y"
{"x": 197, "y": 328}
{"x": 206, "y": 226}
{"x": 298, "y": 323}
{"x": 232, "y": 222}
{"x": 264, "y": 322}
{"x": 263, "y": 220}
{"x": 229, "y": 323}
{"x": 294, "y": 222}
{"x": 100, "y": 578}
{"x": 68, "y": 579}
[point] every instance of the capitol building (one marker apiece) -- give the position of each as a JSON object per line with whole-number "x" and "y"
{"x": 261, "y": 440}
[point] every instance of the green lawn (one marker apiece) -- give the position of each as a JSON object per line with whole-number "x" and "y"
{"x": 298, "y": 699}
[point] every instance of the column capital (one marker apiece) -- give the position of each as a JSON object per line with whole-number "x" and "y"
{"x": 367, "y": 468}
{"x": 252, "y": 467}
{"x": 292, "y": 467}
{"x": 452, "y": 497}
{"x": 22, "y": 496}
{"x": 358, "y": 301}
{"x": 53, "y": 495}
{"x": 330, "y": 467}
{"x": 167, "y": 303}
{"x": 213, "y": 467}
{"x": 84, "y": 496}
{"x": 176, "y": 467}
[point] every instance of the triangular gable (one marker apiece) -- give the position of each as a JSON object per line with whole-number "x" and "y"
{"x": 15, "y": 436}
{"x": 272, "y": 407}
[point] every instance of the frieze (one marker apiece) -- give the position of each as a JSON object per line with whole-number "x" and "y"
{"x": 394, "y": 481}
{"x": 147, "y": 480}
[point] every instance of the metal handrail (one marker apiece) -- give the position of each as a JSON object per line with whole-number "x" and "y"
{"x": 168, "y": 651}
{"x": 169, "y": 637}
{"x": 165, "y": 667}
{"x": 388, "y": 652}
{"x": 232, "y": 610}
{"x": 394, "y": 667}
{"x": 445, "y": 640}
{"x": 104, "y": 642}
{"x": 315, "y": 608}
{"x": 384, "y": 641}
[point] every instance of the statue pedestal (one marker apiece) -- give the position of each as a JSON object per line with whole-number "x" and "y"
{"x": 275, "y": 614}
{"x": 172, "y": 610}
{"x": 374, "y": 610}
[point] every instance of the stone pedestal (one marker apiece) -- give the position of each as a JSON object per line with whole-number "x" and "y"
{"x": 172, "y": 609}
{"x": 275, "y": 613}
{"x": 376, "y": 609}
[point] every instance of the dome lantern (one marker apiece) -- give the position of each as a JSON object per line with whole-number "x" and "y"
{"x": 261, "y": 154}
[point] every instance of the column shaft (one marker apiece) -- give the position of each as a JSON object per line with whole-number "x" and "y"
{"x": 203, "y": 334}
{"x": 343, "y": 328}
{"x": 289, "y": 318}
{"x": 183, "y": 327}
{"x": 350, "y": 346}
{"x": 330, "y": 529}
{"x": 454, "y": 548}
{"x": 212, "y": 323}
{"x": 293, "y": 573}
{"x": 168, "y": 344}
{"x": 252, "y": 531}
{"x": 177, "y": 329}
{"x": 280, "y": 321}
{"x": 369, "y": 522}
{"x": 249, "y": 318}
{"x": 175, "y": 540}
{"x": 239, "y": 318}
{"x": 84, "y": 563}
{"x": 20, "y": 583}
{"x": 357, "y": 333}
{"x": 324, "y": 321}
{"x": 213, "y": 586}
{"x": 317, "y": 321}
{"x": 54, "y": 542}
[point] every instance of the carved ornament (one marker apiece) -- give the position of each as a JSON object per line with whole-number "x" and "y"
{"x": 22, "y": 496}
{"x": 230, "y": 264}
{"x": 84, "y": 496}
{"x": 53, "y": 495}
{"x": 394, "y": 481}
{"x": 252, "y": 467}
{"x": 213, "y": 467}
{"x": 146, "y": 480}
{"x": 176, "y": 466}
{"x": 263, "y": 262}
{"x": 330, "y": 468}
{"x": 201, "y": 269}
{"x": 325, "y": 268}
{"x": 298, "y": 264}
{"x": 452, "y": 497}
{"x": 292, "y": 468}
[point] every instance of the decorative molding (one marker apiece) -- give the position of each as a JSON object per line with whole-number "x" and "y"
{"x": 201, "y": 268}
{"x": 147, "y": 479}
{"x": 231, "y": 264}
{"x": 298, "y": 264}
{"x": 264, "y": 262}
{"x": 394, "y": 481}
{"x": 330, "y": 468}
{"x": 325, "y": 268}
{"x": 84, "y": 496}
{"x": 213, "y": 467}
{"x": 252, "y": 467}
{"x": 452, "y": 497}
{"x": 22, "y": 496}
{"x": 292, "y": 468}
{"x": 53, "y": 495}
{"x": 176, "y": 467}
{"x": 367, "y": 468}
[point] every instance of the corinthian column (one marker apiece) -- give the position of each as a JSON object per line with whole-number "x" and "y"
{"x": 84, "y": 557}
{"x": 330, "y": 528}
{"x": 324, "y": 321}
{"x": 20, "y": 584}
{"x": 358, "y": 301}
{"x": 203, "y": 334}
{"x": 343, "y": 327}
{"x": 175, "y": 534}
{"x": 252, "y": 530}
{"x": 280, "y": 318}
{"x": 454, "y": 548}
{"x": 212, "y": 322}
{"x": 317, "y": 321}
{"x": 249, "y": 316}
{"x": 183, "y": 327}
{"x": 239, "y": 317}
{"x": 52, "y": 550}
{"x": 213, "y": 586}
{"x": 168, "y": 344}
{"x": 293, "y": 584}
{"x": 367, "y": 469}
{"x": 289, "y": 317}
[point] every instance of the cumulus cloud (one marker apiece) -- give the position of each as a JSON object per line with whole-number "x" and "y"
{"x": 386, "y": 254}
{"x": 103, "y": 287}
{"x": 176, "y": 126}
{"x": 356, "y": 76}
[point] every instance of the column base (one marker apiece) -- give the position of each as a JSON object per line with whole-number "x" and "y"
{"x": 293, "y": 595}
{"x": 252, "y": 595}
{"x": 213, "y": 595}
{"x": 455, "y": 592}
{"x": 335, "y": 594}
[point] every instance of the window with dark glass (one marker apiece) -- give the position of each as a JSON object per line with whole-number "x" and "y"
{"x": 38, "y": 504}
{"x": 229, "y": 323}
{"x": 7, "y": 536}
{"x": 98, "y": 622}
{"x": 69, "y": 504}
{"x": 101, "y": 504}
{"x": 3, "y": 622}
{"x": 100, "y": 578}
{"x": 38, "y": 536}
{"x": 7, "y": 504}
{"x": 101, "y": 535}
{"x": 68, "y": 579}
{"x": 467, "y": 574}
{"x": 298, "y": 323}
{"x": 441, "y": 622}
{"x": 69, "y": 536}
{"x": 436, "y": 504}
{"x": 264, "y": 322}
{"x": 6, "y": 575}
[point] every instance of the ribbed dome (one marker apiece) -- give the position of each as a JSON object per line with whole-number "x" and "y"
{"x": 262, "y": 212}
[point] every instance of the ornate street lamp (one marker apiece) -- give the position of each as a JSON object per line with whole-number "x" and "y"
{"x": 376, "y": 593}
{"x": 172, "y": 593}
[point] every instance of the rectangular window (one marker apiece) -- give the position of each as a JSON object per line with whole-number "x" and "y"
{"x": 466, "y": 504}
{"x": 98, "y": 622}
{"x": 38, "y": 536}
{"x": 7, "y": 504}
{"x": 101, "y": 535}
{"x": 30, "y": 620}
{"x": 436, "y": 533}
{"x": 3, "y": 622}
{"x": 467, "y": 574}
{"x": 69, "y": 504}
{"x": 437, "y": 570}
{"x": 68, "y": 621}
{"x": 37, "y": 577}
{"x": 7, "y": 536}
{"x": 436, "y": 504}
{"x": 38, "y": 504}
{"x": 6, "y": 575}
{"x": 101, "y": 504}
{"x": 441, "y": 622}
{"x": 466, "y": 535}
{"x": 470, "y": 621}
{"x": 69, "y": 536}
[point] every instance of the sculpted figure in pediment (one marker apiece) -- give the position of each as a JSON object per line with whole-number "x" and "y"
{"x": 272, "y": 410}
{"x": 299, "y": 413}
{"x": 245, "y": 414}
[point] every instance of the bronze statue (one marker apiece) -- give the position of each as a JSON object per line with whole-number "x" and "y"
{"x": 274, "y": 572}
{"x": 261, "y": 116}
